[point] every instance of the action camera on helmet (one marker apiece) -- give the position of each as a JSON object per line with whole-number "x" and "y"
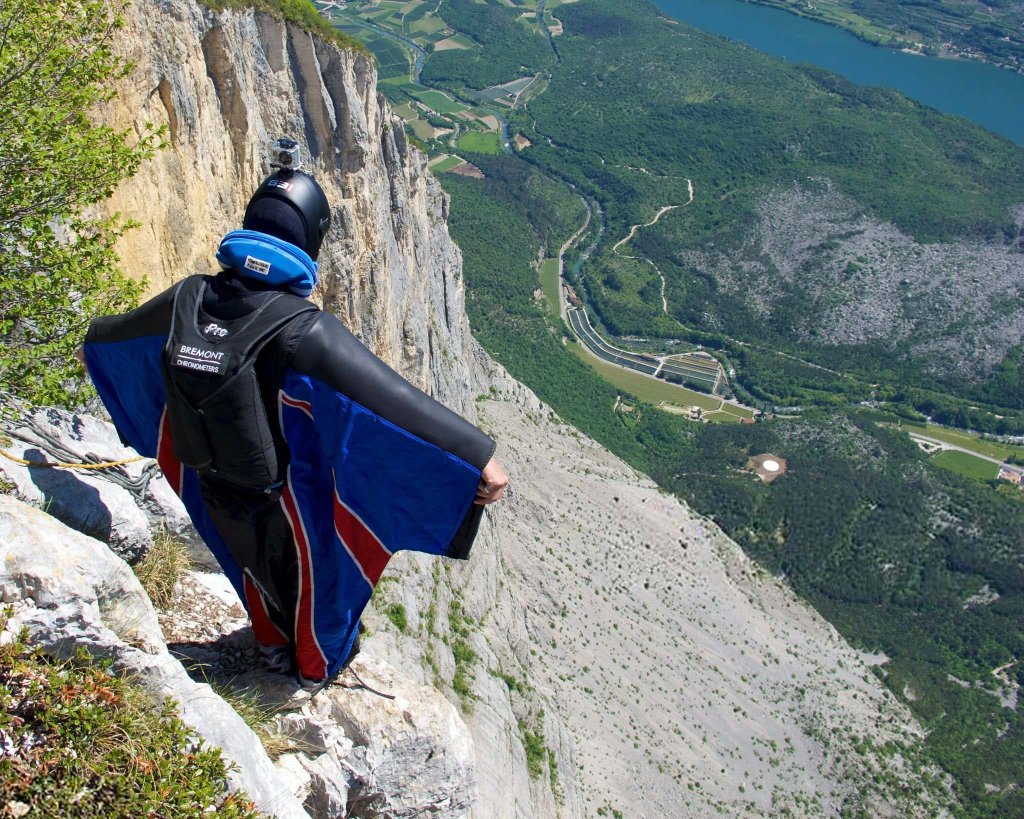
{"x": 289, "y": 204}
{"x": 285, "y": 154}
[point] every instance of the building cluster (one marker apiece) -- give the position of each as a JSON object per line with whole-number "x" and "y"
{"x": 1013, "y": 474}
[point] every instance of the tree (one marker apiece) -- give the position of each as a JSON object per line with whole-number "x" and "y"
{"x": 58, "y": 268}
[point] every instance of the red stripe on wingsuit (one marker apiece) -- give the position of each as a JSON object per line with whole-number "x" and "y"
{"x": 266, "y": 630}
{"x": 169, "y": 463}
{"x": 305, "y": 406}
{"x": 366, "y": 550}
{"x": 310, "y": 657}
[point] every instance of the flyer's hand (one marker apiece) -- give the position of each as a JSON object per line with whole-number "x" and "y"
{"x": 493, "y": 481}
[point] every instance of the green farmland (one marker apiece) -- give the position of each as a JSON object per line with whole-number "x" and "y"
{"x": 654, "y": 392}
{"x": 993, "y": 449}
{"x": 446, "y": 164}
{"x": 476, "y": 142}
{"x": 437, "y": 101}
{"x": 550, "y": 285}
{"x": 967, "y": 465}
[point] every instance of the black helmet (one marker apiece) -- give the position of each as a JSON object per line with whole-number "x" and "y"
{"x": 291, "y": 206}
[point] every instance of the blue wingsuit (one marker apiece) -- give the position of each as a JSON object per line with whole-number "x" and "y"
{"x": 369, "y": 465}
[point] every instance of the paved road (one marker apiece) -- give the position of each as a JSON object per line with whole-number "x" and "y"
{"x": 948, "y": 445}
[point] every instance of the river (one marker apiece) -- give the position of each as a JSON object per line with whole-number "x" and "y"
{"x": 990, "y": 96}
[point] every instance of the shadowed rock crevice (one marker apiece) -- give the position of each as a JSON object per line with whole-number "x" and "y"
{"x": 164, "y": 90}
{"x": 318, "y": 121}
{"x": 220, "y": 67}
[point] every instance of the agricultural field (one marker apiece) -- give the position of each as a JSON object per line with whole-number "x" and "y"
{"x": 456, "y": 41}
{"x": 423, "y": 129}
{"x": 966, "y": 465}
{"x": 654, "y": 392}
{"x": 446, "y": 163}
{"x": 505, "y": 92}
{"x": 436, "y": 101}
{"x": 550, "y": 285}
{"x": 480, "y": 143}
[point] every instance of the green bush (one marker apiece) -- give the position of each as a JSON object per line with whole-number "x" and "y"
{"x": 84, "y": 744}
{"x": 396, "y": 614}
{"x": 57, "y": 266}
{"x": 300, "y": 12}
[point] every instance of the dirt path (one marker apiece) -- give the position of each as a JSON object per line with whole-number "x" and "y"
{"x": 635, "y": 228}
{"x": 661, "y": 212}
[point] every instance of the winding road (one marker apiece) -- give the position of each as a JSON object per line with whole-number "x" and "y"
{"x": 654, "y": 221}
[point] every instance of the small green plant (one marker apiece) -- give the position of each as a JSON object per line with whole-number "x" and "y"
{"x": 464, "y": 657}
{"x": 249, "y": 705}
{"x": 162, "y": 567}
{"x": 396, "y": 614}
{"x": 536, "y": 751}
{"x": 83, "y": 743}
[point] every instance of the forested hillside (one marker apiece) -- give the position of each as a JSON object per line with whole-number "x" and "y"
{"x": 510, "y": 49}
{"x": 890, "y": 548}
{"x": 992, "y": 30}
{"x": 905, "y": 558}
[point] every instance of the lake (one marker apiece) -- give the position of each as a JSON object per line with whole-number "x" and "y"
{"x": 990, "y": 96}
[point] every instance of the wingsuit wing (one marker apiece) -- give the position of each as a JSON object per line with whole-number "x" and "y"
{"x": 395, "y": 470}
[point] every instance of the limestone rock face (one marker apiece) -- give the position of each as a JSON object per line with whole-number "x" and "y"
{"x": 367, "y": 755}
{"x": 72, "y": 592}
{"x": 121, "y": 506}
{"x": 225, "y": 85}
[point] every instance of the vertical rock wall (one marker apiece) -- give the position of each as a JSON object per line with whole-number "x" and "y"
{"x": 224, "y": 85}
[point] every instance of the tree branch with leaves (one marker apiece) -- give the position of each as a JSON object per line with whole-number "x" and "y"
{"x": 58, "y": 268}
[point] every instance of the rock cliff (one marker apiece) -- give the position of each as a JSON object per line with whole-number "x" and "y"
{"x": 608, "y": 649}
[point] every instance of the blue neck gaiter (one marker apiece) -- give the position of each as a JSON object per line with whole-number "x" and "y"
{"x": 268, "y": 259}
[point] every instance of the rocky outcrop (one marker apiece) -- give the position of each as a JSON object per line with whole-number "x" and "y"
{"x": 71, "y": 592}
{"x": 350, "y": 750}
{"x": 374, "y": 744}
{"x": 379, "y": 745}
{"x": 122, "y": 506}
{"x": 862, "y": 281}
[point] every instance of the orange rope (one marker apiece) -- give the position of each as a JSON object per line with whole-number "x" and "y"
{"x": 63, "y": 465}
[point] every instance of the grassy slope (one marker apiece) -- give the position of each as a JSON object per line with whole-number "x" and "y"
{"x": 966, "y": 465}
{"x": 550, "y": 285}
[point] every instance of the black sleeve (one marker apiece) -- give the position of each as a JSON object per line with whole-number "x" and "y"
{"x": 150, "y": 319}
{"x": 330, "y": 353}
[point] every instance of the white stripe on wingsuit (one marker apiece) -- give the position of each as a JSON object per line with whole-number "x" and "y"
{"x": 312, "y": 585}
{"x": 305, "y": 406}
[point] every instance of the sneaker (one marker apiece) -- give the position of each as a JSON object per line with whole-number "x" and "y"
{"x": 316, "y": 685}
